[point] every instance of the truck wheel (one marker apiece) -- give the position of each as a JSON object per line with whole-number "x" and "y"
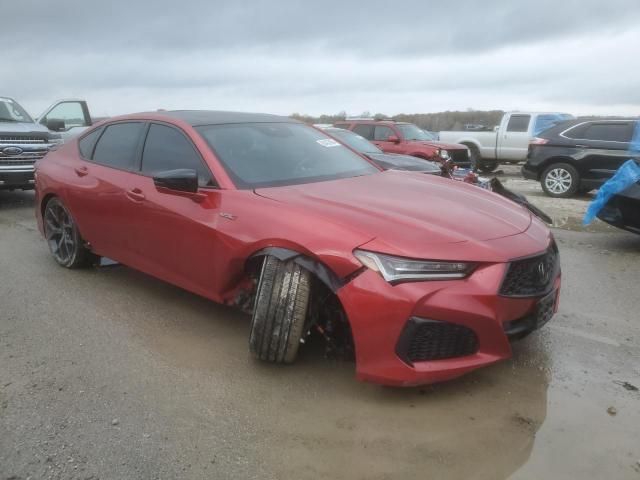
{"x": 474, "y": 156}
{"x": 487, "y": 166}
{"x": 560, "y": 180}
{"x": 65, "y": 243}
{"x": 280, "y": 310}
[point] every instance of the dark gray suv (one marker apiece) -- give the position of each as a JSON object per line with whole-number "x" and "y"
{"x": 580, "y": 155}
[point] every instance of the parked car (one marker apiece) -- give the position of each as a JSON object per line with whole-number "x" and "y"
{"x": 509, "y": 142}
{"x": 386, "y": 161}
{"x": 392, "y": 161}
{"x": 427, "y": 278}
{"x": 578, "y": 155}
{"x": 407, "y": 139}
{"x": 23, "y": 140}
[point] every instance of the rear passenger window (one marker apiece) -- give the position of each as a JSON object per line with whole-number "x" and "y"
{"x": 382, "y": 133}
{"x": 168, "y": 149}
{"x": 86, "y": 143}
{"x": 608, "y": 132}
{"x": 365, "y": 131}
{"x": 118, "y": 145}
{"x": 518, "y": 123}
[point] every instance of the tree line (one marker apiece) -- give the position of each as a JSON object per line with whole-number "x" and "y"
{"x": 435, "y": 122}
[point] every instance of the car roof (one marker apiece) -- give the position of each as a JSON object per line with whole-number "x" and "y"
{"x": 216, "y": 117}
{"x": 206, "y": 117}
{"x": 371, "y": 120}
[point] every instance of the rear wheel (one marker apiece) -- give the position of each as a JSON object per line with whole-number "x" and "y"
{"x": 65, "y": 243}
{"x": 560, "y": 180}
{"x": 474, "y": 156}
{"x": 280, "y": 311}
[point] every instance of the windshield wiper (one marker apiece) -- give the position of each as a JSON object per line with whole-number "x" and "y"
{"x": 2, "y": 119}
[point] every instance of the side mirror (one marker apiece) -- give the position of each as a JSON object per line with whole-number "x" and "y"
{"x": 180, "y": 180}
{"x": 56, "y": 124}
{"x": 393, "y": 139}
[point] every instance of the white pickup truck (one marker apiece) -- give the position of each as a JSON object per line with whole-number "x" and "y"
{"x": 508, "y": 142}
{"x": 24, "y": 140}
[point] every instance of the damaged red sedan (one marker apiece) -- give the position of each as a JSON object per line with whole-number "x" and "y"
{"x": 423, "y": 279}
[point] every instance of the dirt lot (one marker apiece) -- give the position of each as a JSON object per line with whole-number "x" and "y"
{"x": 111, "y": 374}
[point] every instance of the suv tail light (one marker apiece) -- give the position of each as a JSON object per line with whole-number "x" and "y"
{"x": 538, "y": 141}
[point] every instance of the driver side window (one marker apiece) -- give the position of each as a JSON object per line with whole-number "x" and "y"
{"x": 71, "y": 113}
{"x": 168, "y": 149}
{"x": 382, "y": 133}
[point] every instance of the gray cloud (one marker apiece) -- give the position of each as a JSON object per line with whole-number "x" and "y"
{"x": 325, "y": 56}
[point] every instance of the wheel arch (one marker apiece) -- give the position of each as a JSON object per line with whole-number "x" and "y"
{"x": 556, "y": 159}
{"x": 44, "y": 201}
{"x": 327, "y": 276}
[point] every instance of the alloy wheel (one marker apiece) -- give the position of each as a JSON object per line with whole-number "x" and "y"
{"x": 59, "y": 232}
{"x": 558, "y": 181}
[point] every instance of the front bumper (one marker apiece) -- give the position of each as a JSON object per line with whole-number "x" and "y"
{"x": 380, "y": 313}
{"x": 16, "y": 176}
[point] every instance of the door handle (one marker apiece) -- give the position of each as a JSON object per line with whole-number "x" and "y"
{"x": 136, "y": 195}
{"x": 81, "y": 171}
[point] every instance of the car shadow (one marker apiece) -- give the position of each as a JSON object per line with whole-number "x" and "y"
{"x": 318, "y": 416}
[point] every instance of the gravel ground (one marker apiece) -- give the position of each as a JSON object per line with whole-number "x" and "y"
{"x": 112, "y": 374}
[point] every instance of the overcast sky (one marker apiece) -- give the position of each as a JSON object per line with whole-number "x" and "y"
{"x": 282, "y": 56}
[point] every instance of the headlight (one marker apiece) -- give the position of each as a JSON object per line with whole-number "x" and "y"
{"x": 468, "y": 153}
{"x": 398, "y": 269}
{"x": 443, "y": 154}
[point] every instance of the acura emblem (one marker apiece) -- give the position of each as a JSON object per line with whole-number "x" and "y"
{"x": 12, "y": 150}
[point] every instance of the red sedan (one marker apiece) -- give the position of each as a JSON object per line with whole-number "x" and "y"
{"x": 424, "y": 278}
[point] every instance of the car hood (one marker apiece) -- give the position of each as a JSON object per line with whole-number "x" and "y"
{"x": 11, "y": 127}
{"x": 404, "y": 162}
{"x": 407, "y": 211}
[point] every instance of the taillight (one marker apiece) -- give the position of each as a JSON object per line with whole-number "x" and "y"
{"x": 538, "y": 141}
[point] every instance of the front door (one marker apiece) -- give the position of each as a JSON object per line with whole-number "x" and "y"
{"x": 175, "y": 233}
{"x": 513, "y": 141}
{"x": 381, "y": 136}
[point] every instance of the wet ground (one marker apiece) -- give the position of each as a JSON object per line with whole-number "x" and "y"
{"x": 112, "y": 374}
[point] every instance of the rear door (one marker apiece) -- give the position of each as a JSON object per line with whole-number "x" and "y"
{"x": 175, "y": 235}
{"x": 513, "y": 139}
{"x": 601, "y": 146}
{"x": 101, "y": 198}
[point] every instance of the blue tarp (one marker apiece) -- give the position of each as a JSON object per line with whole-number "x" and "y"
{"x": 625, "y": 176}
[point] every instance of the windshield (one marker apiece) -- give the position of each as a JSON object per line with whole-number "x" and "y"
{"x": 411, "y": 132}
{"x": 11, "y": 111}
{"x": 355, "y": 141}
{"x": 546, "y": 121}
{"x": 274, "y": 154}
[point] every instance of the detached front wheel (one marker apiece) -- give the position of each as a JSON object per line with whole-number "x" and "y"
{"x": 280, "y": 311}
{"x": 64, "y": 240}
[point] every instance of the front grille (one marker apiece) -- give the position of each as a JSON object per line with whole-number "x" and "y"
{"x": 460, "y": 157}
{"x": 533, "y": 276}
{"x": 424, "y": 340}
{"x": 20, "y": 139}
{"x": 25, "y": 158}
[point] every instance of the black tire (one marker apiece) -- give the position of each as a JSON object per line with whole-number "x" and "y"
{"x": 280, "y": 311}
{"x": 560, "y": 180}
{"x": 487, "y": 166}
{"x": 64, "y": 240}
